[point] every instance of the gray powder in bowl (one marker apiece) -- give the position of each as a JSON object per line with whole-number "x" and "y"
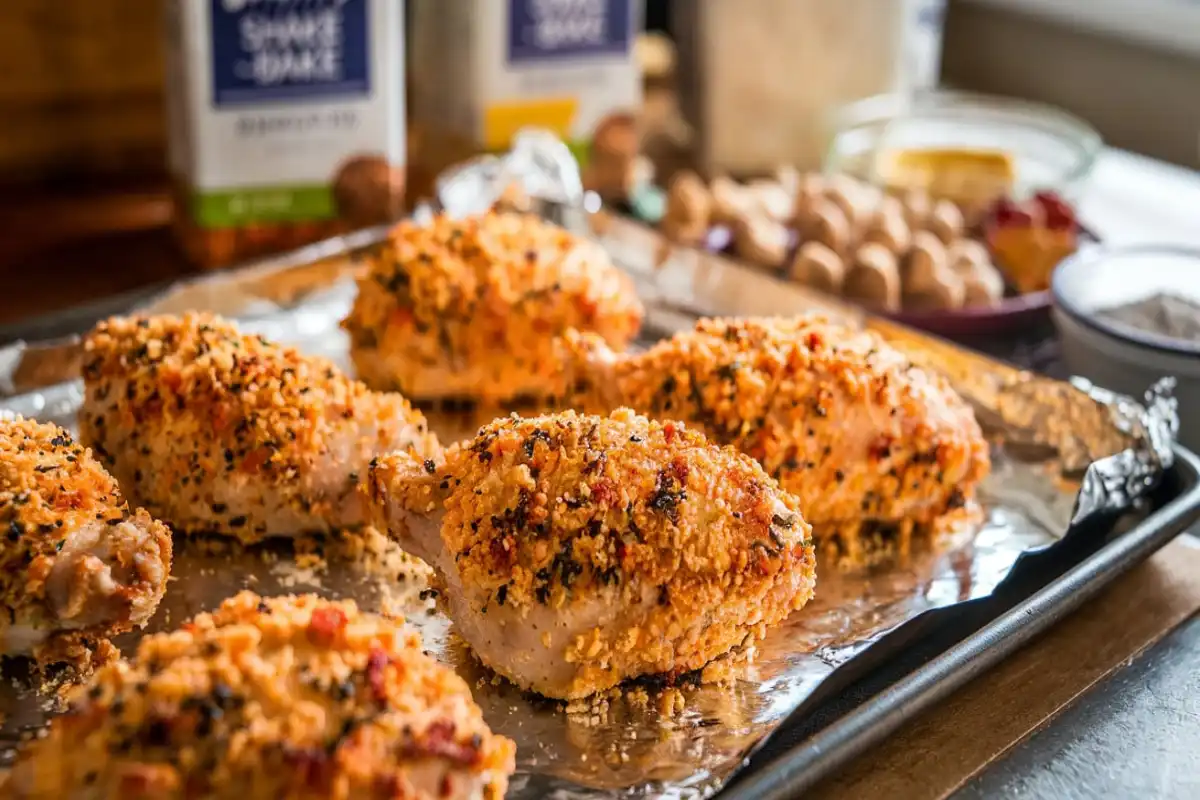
{"x": 1164, "y": 315}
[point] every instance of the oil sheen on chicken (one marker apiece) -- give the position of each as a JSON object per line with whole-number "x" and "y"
{"x": 77, "y": 565}
{"x": 580, "y": 551}
{"x": 873, "y": 446}
{"x": 215, "y": 430}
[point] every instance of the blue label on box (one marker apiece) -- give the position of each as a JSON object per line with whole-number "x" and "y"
{"x": 280, "y": 50}
{"x": 540, "y": 30}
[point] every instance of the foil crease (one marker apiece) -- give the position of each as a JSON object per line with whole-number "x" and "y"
{"x": 684, "y": 741}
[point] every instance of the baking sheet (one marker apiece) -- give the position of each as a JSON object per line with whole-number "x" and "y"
{"x": 645, "y": 741}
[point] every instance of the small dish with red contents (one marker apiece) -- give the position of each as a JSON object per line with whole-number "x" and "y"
{"x": 930, "y": 263}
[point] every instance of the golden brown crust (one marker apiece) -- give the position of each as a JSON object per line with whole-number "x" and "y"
{"x": 866, "y": 440}
{"x": 53, "y": 495}
{"x": 467, "y": 308}
{"x": 693, "y": 549}
{"x": 293, "y": 697}
{"x": 217, "y": 430}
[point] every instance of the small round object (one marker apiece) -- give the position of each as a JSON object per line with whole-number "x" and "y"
{"x": 617, "y": 137}
{"x": 982, "y": 287}
{"x": 890, "y": 204}
{"x": 818, "y": 267}
{"x": 946, "y": 221}
{"x": 889, "y": 229}
{"x": 925, "y": 261}
{"x": 964, "y": 255}
{"x": 829, "y": 226}
{"x": 810, "y": 191}
{"x": 761, "y": 240}
{"x": 689, "y": 208}
{"x": 730, "y": 201}
{"x": 772, "y": 199}
{"x": 945, "y": 292}
{"x": 368, "y": 190}
{"x": 788, "y": 177}
{"x": 917, "y": 207}
{"x": 850, "y": 195}
{"x": 874, "y": 279}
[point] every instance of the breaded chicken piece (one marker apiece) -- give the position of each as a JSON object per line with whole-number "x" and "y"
{"x": 215, "y": 430}
{"x": 580, "y": 551}
{"x": 77, "y": 565}
{"x": 872, "y": 445}
{"x": 467, "y": 309}
{"x": 292, "y": 697}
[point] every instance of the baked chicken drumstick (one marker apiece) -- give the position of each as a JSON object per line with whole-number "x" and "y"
{"x": 579, "y": 551}
{"x": 76, "y": 563}
{"x": 291, "y": 697}
{"x": 871, "y": 445}
{"x": 468, "y": 309}
{"x": 215, "y": 430}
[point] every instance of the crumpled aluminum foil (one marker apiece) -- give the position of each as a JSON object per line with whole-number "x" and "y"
{"x": 683, "y": 742}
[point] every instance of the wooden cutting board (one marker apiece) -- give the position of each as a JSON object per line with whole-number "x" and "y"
{"x": 939, "y": 752}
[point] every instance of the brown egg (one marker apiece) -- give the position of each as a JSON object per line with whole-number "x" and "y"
{"x": 917, "y": 207}
{"x": 874, "y": 278}
{"x": 689, "y": 208}
{"x": 925, "y": 261}
{"x": 761, "y": 240}
{"x": 946, "y": 221}
{"x": 810, "y": 192}
{"x": 818, "y": 267}
{"x": 852, "y": 196}
{"x": 772, "y": 199}
{"x": 964, "y": 255}
{"x": 982, "y": 286}
{"x": 888, "y": 228}
{"x": 946, "y": 291}
{"x": 730, "y": 202}
{"x": 829, "y": 226}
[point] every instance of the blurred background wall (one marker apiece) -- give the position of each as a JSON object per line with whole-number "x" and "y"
{"x": 81, "y": 88}
{"x": 1139, "y": 84}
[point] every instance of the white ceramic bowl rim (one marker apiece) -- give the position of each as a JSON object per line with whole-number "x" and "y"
{"x": 1125, "y": 333}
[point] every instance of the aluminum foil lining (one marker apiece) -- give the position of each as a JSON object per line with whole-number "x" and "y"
{"x": 684, "y": 741}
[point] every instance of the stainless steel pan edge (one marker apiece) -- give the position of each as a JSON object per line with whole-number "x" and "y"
{"x": 818, "y": 757}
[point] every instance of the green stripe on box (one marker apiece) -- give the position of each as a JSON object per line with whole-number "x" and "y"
{"x": 581, "y": 149}
{"x": 232, "y": 207}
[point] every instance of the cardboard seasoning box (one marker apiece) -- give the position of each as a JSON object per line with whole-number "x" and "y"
{"x": 484, "y": 69}
{"x": 286, "y": 121}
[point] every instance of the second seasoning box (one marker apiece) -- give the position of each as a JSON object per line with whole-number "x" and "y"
{"x": 286, "y": 121}
{"x": 484, "y": 69}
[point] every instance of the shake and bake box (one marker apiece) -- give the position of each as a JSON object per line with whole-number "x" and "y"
{"x": 286, "y": 121}
{"x": 484, "y": 69}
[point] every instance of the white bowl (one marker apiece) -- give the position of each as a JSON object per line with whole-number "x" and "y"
{"x": 1118, "y": 355}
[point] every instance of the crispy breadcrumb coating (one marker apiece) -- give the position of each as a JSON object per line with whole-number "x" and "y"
{"x": 294, "y": 697}
{"x": 77, "y": 565}
{"x": 466, "y": 309}
{"x": 871, "y": 444}
{"x": 216, "y": 430}
{"x": 580, "y": 551}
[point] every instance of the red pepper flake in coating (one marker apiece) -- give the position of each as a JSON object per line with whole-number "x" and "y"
{"x": 325, "y": 627}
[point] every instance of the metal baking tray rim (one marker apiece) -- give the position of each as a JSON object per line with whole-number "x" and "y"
{"x": 818, "y": 757}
